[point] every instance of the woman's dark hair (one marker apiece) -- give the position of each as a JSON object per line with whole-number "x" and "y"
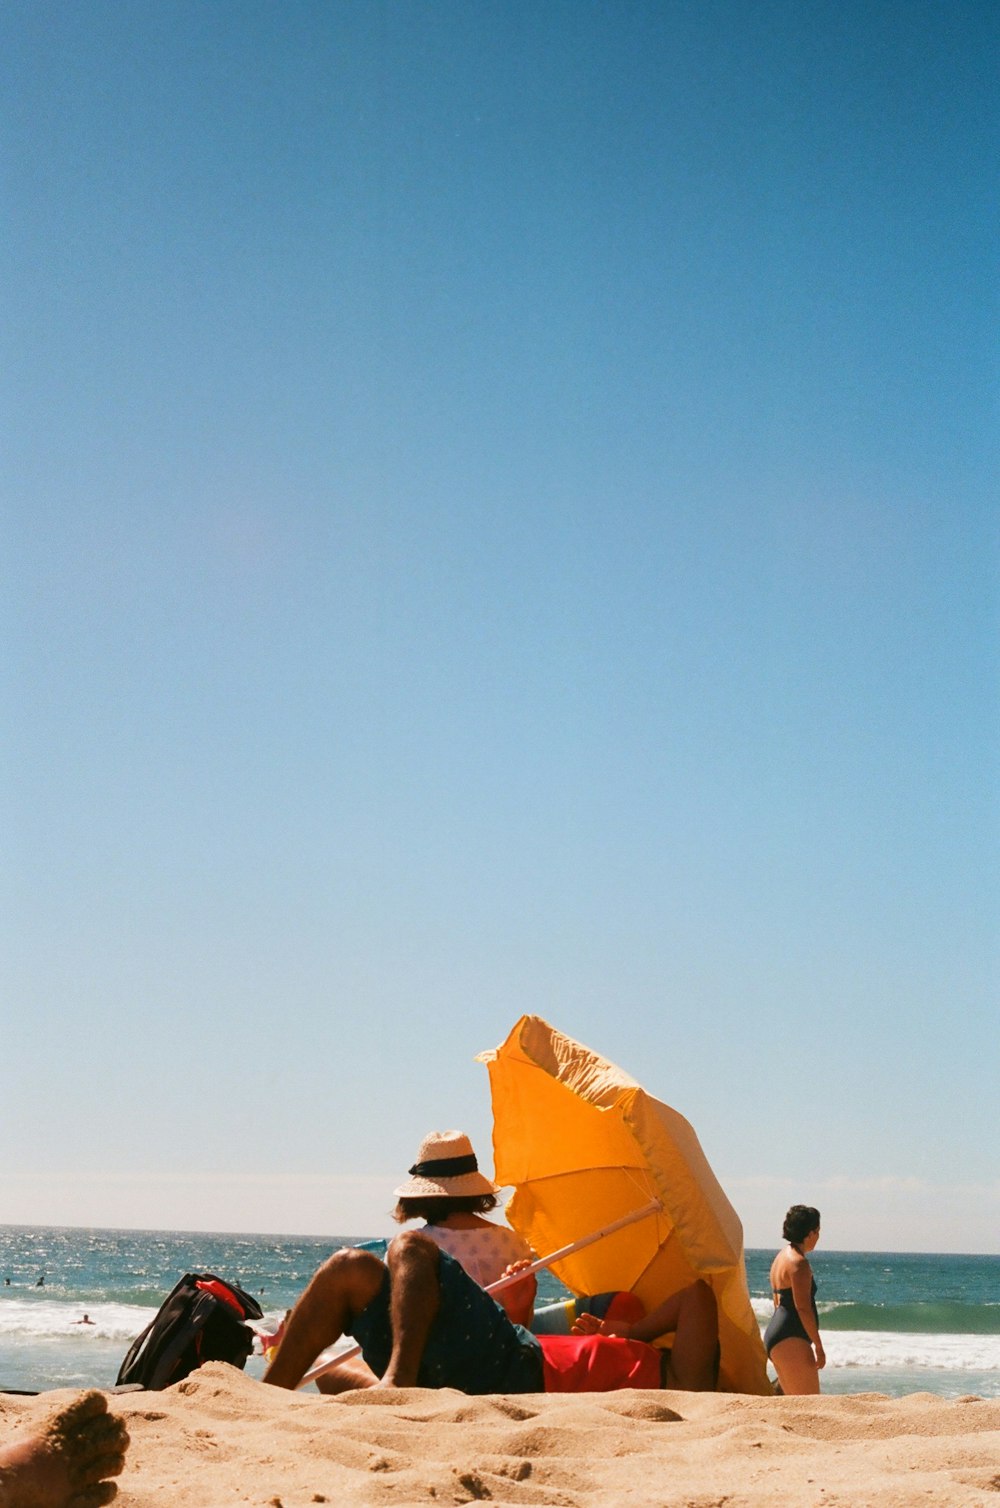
{"x": 800, "y": 1220}
{"x": 436, "y": 1207}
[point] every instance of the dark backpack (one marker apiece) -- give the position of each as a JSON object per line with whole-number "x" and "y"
{"x": 202, "y": 1319}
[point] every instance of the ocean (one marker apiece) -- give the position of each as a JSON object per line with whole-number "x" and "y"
{"x": 892, "y": 1322}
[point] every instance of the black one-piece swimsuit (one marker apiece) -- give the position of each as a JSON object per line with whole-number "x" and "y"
{"x": 784, "y": 1323}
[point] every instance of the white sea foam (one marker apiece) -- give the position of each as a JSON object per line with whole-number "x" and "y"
{"x": 946, "y": 1353}
{"x": 30, "y": 1320}
{"x": 25, "y": 1321}
{"x": 897, "y": 1349}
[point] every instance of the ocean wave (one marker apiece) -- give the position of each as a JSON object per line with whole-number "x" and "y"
{"x": 25, "y": 1320}
{"x": 26, "y": 1323}
{"x": 942, "y": 1317}
{"x": 946, "y": 1353}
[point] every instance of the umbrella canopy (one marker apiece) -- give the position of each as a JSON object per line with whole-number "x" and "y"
{"x": 582, "y": 1144}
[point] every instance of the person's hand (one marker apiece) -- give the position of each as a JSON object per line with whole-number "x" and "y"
{"x": 519, "y": 1299}
{"x": 589, "y": 1324}
{"x": 528, "y": 1284}
{"x": 586, "y": 1324}
{"x": 518, "y": 1266}
{"x": 820, "y": 1355}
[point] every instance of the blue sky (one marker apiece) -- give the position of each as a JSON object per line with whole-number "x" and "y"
{"x": 499, "y": 515}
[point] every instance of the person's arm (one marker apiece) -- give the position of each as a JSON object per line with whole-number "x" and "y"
{"x": 518, "y": 1301}
{"x": 659, "y": 1321}
{"x": 802, "y": 1295}
{"x": 691, "y": 1315}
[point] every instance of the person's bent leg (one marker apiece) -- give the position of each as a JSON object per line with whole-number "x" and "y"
{"x": 694, "y": 1356}
{"x": 692, "y": 1316}
{"x": 415, "y": 1297}
{"x": 795, "y": 1365}
{"x": 348, "y": 1377}
{"x": 68, "y": 1463}
{"x": 337, "y": 1292}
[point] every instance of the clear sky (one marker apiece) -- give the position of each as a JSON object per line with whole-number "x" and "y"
{"x": 499, "y": 515}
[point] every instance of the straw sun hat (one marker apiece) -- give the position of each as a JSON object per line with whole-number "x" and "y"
{"x": 446, "y": 1167}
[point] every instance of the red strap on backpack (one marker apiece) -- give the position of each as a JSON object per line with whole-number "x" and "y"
{"x": 220, "y": 1291}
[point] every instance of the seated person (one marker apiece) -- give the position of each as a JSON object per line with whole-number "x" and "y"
{"x": 446, "y": 1190}
{"x": 422, "y": 1322}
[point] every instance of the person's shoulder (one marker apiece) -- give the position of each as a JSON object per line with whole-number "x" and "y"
{"x": 491, "y": 1231}
{"x": 437, "y": 1234}
{"x": 516, "y": 1242}
{"x": 502, "y": 1236}
{"x": 785, "y": 1266}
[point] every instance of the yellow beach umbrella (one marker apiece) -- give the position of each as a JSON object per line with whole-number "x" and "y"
{"x": 582, "y": 1145}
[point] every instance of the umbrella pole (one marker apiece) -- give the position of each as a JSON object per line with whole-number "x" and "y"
{"x": 652, "y": 1208}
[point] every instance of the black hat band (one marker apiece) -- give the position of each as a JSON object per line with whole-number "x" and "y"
{"x": 445, "y": 1167}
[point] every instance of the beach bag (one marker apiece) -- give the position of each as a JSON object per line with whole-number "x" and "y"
{"x": 202, "y": 1319}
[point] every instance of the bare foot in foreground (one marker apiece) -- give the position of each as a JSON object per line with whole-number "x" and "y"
{"x": 67, "y": 1463}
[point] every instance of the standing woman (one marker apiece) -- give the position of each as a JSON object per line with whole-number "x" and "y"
{"x": 792, "y": 1336}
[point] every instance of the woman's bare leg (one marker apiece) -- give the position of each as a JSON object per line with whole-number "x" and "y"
{"x": 795, "y": 1365}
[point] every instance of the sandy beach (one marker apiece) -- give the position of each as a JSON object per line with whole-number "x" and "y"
{"x": 219, "y": 1437}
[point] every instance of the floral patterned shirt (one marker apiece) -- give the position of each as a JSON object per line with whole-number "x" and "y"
{"x": 484, "y": 1250}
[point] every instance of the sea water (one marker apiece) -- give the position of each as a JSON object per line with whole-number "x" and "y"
{"x": 892, "y": 1323}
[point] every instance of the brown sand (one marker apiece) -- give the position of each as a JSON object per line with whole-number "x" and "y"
{"x": 221, "y": 1438}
